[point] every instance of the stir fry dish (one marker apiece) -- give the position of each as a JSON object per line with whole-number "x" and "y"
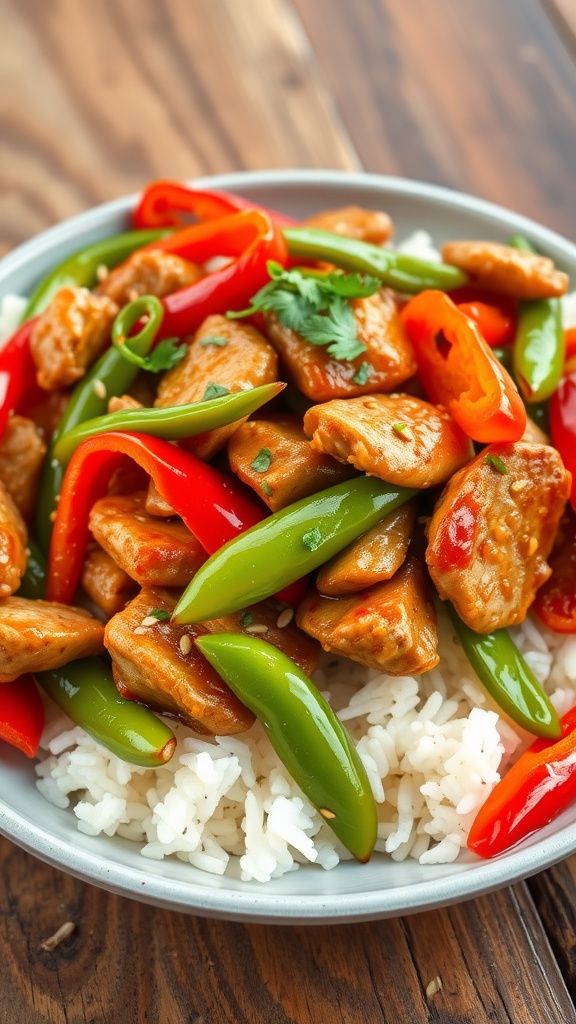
{"x": 231, "y": 443}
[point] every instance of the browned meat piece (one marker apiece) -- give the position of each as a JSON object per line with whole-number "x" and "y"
{"x": 148, "y": 272}
{"x": 374, "y": 557}
{"x": 391, "y": 627}
{"x": 398, "y": 438}
{"x": 492, "y": 531}
{"x": 155, "y": 504}
{"x": 106, "y": 584}
{"x": 22, "y": 452}
{"x": 38, "y": 635}
{"x": 70, "y": 335}
{"x": 508, "y": 271}
{"x": 320, "y": 377}
{"x": 158, "y": 663}
{"x": 118, "y": 403}
{"x": 245, "y": 361}
{"x": 46, "y": 410}
{"x": 367, "y": 225}
{"x": 13, "y": 538}
{"x": 288, "y": 467}
{"x": 151, "y": 551}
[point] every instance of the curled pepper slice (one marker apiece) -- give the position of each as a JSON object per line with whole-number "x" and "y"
{"x": 459, "y": 371}
{"x": 304, "y": 731}
{"x": 563, "y": 425}
{"x": 21, "y": 714}
{"x": 17, "y": 371}
{"x": 555, "y": 601}
{"x": 163, "y": 204}
{"x": 534, "y": 791}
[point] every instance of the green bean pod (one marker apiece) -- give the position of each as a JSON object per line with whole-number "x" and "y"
{"x": 172, "y": 422}
{"x": 85, "y": 690}
{"x": 538, "y": 351}
{"x": 33, "y": 582}
{"x": 286, "y": 546}
{"x": 508, "y": 679}
{"x": 81, "y": 269}
{"x": 305, "y": 732}
{"x": 396, "y": 270}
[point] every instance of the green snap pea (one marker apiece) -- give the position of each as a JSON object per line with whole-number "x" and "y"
{"x": 81, "y": 269}
{"x": 404, "y": 273}
{"x": 507, "y": 678}
{"x": 172, "y": 423}
{"x": 286, "y": 546}
{"x": 538, "y": 352}
{"x": 33, "y": 582}
{"x": 305, "y": 732}
{"x": 85, "y": 690}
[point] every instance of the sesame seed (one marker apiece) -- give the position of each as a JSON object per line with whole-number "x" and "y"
{"x": 99, "y": 389}
{"x": 285, "y": 618}
{"x": 371, "y": 404}
{"x": 518, "y": 485}
{"x": 258, "y": 627}
{"x": 139, "y": 631}
{"x": 532, "y": 546}
{"x": 133, "y": 294}
{"x": 102, "y": 272}
{"x": 326, "y": 813}
{"x": 149, "y": 620}
{"x": 185, "y": 644}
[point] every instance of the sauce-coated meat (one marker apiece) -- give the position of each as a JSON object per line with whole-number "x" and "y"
{"x": 148, "y": 272}
{"x": 70, "y": 335}
{"x": 22, "y": 452}
{"x": 38, "y": 635}
{"x": 374, "y": 557}
{"x": 509, "y": 271}
{"x": 13, "y": 538}
{"x": 492, "y": 531}
{"x": 398, "y": 438}
{"x": 105, "y": 583}
{"x": 373, "y": 226}
{"x": 390, "y": 627}
{"x": 320, "y": 377}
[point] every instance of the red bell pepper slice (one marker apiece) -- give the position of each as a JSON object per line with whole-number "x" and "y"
{"x": 496, "y": 315}
{"x": 212, "y": 505}
{"x": 555, "y": 602}
{"x": 162, "y": 204}
{"x": 534, "y": 791}
{"x": 17, "y": 371}
{"x": 563, "y": 426}
{"x": 458, "y": 370}
{"x": 21, "y": 714}
{"x": 249, "y": 238}
{"x": 570, "y": 343}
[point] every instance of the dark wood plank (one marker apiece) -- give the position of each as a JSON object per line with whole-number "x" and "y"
{"x": 554, "y": 894}
{"x": 480, "y": 97}
{"x": 484, "y": 960}
{"x": 124, "y": 92}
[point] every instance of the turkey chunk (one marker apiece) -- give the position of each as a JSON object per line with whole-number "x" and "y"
{"x": 508, "y": 271}
{"x": 241, "y": 358}
{"x": 38, "y": 635}
{"x": 492, "y": 531}
{"x": 70, "y": 335}
{"x": 152, "y": 551}
{"x": 22, "y": 452}
{"x": 398, "y": 438}
{"x": 13, "y": 538}
{"x": 374, "y": 557}
{"x": 148, "y": 272}
{"x": 276, "y": 458}
{"x": 390, "y": 627}
{"x": 106, "y": 584}
{"x": 373, "y": 226}
{"x": 319, "y": 376}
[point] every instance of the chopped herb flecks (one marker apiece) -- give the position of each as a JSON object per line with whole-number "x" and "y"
{"x": 403, "y": 430}
{"x": 160, "y": 614}
{"x": 267, "y": 489}
{"x": 493, "y": 460}
{"x": 262, "y": 461}
{"x": 214, "y": 391}
{"x": 246, "y": 618}
{"x": 363, "y": 373}
{"x": 214, "y": 339}
{"x": 313, "y": 539}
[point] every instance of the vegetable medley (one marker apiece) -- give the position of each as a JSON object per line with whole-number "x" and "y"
{"x": 238, "y": 440}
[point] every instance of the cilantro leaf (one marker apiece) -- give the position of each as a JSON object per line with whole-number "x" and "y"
{"x": 166, "y": 355}
{"x": 497, "y": 463}
{"x": 160, "y": 614}
{"x": 214, "y": 339}
{"x": 365, "y": 370}
{"x": 313, "y": 539}
{"x": 353, "y": 286}
{"x": 262, "y": 461}
{"x": 246, "y": 618}
{"x": 337, "y": 330}
{"x": 214, "y": 390}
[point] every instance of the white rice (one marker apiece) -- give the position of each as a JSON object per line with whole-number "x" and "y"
{"x": 433, "y": 748}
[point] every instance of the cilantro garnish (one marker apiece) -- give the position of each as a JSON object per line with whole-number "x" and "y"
{"x": 246, "y": 618}
{"x": 315, "y": 305}
{"x": 214, "y": 390}
{"x": 493, "y": 460}
{"x": 364, "y": 371}
{"x": 313, "y": 539}
{"x": 267, "y": 489}
{"x": 262, "y": 461}
{"x": 214, "y": 339}
{"x": 160, "y": 614}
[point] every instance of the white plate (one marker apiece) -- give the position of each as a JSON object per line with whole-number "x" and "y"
{"x": 350, "y": 892}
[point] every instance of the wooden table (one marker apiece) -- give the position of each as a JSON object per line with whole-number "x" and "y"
{"x": 98, "y": 98}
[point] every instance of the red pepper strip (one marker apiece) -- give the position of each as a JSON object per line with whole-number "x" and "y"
{"x": 533, "y": 792}
{"x": 555, "y": 602}
{"x": 563, "y": 426}
{"x": 458, "y": 370}
{"x": 21, "y": 714}
{"x": 162, "y": 204}
{"x": 250, "y": 238}
{"x": 212, "y": 505}
{"x": 17, "y": 371}
{"x": 570, "y": 343}
{"x": 497, "y": 325}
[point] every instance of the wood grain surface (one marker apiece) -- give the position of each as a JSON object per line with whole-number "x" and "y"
{"x": 96, "y": 99}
